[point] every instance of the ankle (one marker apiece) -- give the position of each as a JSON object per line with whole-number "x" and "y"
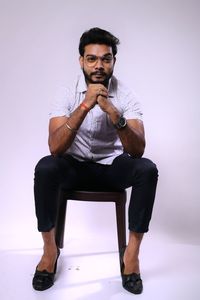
{"x": 50, "y": 250}
{"x": 131, "y": 265}
{"x": 47, "y": 261}
{"x": 131, "y": 261}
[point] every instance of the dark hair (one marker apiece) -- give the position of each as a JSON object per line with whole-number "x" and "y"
{"x": 98, "y": 36}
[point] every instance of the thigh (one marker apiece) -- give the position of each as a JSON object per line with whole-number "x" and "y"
{"x": 126, "y": 171}
{"x": 57, "y": 170}
{"x": 69, "y": 173}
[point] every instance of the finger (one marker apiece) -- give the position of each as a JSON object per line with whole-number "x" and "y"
{"x": 102, "y": 92}
{"x": 101, "y": 99}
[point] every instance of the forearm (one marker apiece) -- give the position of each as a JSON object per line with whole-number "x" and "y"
{"x": 62, "y": 138}
{"x": 132, "y": 140}
{"x": 131, "y": 136}
{"x": 63, "y": 131}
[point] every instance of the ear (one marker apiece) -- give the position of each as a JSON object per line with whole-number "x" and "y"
{"x": 81, "y": 61}
{"x": 115, "y": 60}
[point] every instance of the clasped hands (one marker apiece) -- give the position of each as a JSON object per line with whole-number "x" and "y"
{"x": 98, "y": 94}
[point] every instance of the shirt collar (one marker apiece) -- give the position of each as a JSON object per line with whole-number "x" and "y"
{"x": 81, "y": 84}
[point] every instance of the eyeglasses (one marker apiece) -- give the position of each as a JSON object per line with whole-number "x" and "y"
{"x": 91, "y": 60}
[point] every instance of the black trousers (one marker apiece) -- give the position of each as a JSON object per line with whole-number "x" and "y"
{"x": 53, "y": 173}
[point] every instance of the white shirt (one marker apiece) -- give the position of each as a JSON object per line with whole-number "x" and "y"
{"x": 97, "y": 139}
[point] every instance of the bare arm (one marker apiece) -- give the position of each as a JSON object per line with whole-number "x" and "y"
{"x": 132, "y": 136}
{"x": 62, "y": 130}
{"x": 60, "y": 134}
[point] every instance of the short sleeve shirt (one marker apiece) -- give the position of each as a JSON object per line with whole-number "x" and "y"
{"x": 97, "y": 139}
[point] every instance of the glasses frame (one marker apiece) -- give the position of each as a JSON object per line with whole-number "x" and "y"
{"x": 106, "y": 59}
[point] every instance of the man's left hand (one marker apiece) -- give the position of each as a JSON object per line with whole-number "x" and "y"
{"x": 105, "y": 104}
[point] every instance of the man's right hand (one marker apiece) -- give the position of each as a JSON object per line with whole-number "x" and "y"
{"x": 93, "y": 91}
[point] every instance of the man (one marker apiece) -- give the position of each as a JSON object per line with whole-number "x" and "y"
{"x": 96, "y": 140}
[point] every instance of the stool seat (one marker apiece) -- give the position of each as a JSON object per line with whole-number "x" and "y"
{"x": 118, "y": 197}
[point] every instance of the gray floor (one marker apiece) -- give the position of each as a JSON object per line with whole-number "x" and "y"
{"x": 89, "y": 269}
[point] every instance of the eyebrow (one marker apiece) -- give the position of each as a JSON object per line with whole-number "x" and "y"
{"x": 106, "y": 54}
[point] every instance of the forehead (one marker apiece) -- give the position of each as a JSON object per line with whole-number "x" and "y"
{"x": 97, "y": 49}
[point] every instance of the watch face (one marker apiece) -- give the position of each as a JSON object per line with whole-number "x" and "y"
{"x": 121, "y": 123}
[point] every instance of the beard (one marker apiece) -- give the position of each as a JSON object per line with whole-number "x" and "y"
{"x": 104, "y": 80}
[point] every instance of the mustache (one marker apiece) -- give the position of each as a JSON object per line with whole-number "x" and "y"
{"x": 98, "y": 73}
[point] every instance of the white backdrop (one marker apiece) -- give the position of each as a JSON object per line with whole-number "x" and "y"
{"x": 158, "y": 57}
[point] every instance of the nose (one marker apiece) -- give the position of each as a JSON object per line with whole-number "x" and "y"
{"x": 99, "y": 64}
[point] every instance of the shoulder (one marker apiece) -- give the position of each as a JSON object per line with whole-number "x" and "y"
{"x": 64, "y": 98}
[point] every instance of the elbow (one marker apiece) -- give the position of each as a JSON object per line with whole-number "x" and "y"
{"x": 138, "y": 151}
{"x": 51, "y": 147}
{"x": 138, "y": 154}
{"x": 54, "y": 149}
{"x": 141, "y": 149}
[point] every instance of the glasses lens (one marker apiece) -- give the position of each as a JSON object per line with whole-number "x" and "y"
{"x": 91, "y": 60}
{"x": 107, "y": 59}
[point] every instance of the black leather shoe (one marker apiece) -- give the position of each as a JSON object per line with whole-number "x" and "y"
{"x": 43, "y": 280}
{"x": 131, "y": 282}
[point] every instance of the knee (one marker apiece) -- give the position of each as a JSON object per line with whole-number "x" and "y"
{"x": 45, "y": 166}
{"x": 149, "y": 170}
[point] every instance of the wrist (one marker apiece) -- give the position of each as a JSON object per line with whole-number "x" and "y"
{"x": 84, "y": 107}
{"x": 114, "y": 114}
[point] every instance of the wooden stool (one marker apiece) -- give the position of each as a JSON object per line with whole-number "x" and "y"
{"x": 120, "y": 205}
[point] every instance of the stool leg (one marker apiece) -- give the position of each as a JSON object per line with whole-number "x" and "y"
{"x": 60, "y": 223}
{"x": 121, "y": 223}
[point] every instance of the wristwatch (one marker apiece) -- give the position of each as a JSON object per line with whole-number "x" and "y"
{"x": 121, "y": 123}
